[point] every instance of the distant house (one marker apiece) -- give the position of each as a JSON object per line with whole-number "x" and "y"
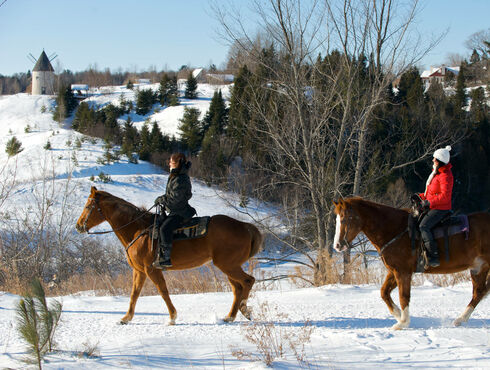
{"x": 219, "y": 78}
{"x": 80, "y": 91}
{"x": 143, "y": 81}
{"x": 439, "y": 74}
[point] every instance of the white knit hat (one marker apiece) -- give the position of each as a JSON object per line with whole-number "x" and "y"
{"x": 443, "y": 154}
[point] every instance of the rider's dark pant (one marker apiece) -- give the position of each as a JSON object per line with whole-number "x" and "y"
{"x": 168, "y": 226}
{"x": 428, "y": 222}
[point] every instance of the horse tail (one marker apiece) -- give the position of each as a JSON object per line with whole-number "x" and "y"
{"x": 257, "y": 240}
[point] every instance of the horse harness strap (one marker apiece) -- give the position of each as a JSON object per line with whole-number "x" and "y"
{"x": 392, "y": 241}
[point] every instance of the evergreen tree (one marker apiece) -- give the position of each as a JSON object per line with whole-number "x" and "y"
{"x": 65, "y": 104}
{"x": 217, "y": 115}
{"x": 130, "y": 140}
{"x": 144, "y": 101}
{"x": 460, "y": 98}
{"x": 238, "y": 112}
{"x": 157, "y": 139}
{"x": 191, "y": 87}
{"x": 37, "y": 321}
{"x": 168, "y": 90}
{"x": 144, "y": 151}
{"x": 191, "y": 130}
{"x": 13, "y": 147}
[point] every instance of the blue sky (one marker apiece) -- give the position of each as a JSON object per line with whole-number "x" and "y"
{"x": 167, "y": 34}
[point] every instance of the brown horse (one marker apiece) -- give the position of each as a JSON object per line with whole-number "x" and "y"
{"x": 386, "y": 228}
{"x": 229, "y": 243}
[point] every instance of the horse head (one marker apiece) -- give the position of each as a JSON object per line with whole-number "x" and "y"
{"x": 348, "y": 225}
{"x": 89, "y": 218}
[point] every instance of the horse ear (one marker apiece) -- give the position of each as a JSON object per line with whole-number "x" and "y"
{"x": 93, "y": 189}
{"x": 335, "y": 203}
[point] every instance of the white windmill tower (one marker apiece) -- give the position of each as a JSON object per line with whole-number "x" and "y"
{"x": 43, "y": 75}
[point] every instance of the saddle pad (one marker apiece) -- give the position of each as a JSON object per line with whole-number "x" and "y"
{"x": 196, "y": 227}
{"x": 458, "y": 224}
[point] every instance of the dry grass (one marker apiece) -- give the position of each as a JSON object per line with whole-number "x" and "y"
{"x": 274, "y": 341}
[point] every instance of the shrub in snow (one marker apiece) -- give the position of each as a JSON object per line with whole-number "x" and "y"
{"x": 13, "y": 147}
{"x": 37, "y": 322}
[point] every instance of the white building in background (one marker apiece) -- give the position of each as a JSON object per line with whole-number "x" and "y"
{"x": 43, "y": 76}
{"x": 439, "y": 74}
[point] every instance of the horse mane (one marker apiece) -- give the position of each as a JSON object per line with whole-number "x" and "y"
{"x": 126, "y": 207}
{"x": 364, "y": 203}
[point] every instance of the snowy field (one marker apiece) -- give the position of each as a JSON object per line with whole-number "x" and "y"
{"x": 350, "y": 328}
{"x": 340, "y": 326}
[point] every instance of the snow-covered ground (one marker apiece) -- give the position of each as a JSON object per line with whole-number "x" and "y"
{"x": 350, "y": 328}
{"x": 350, "y": 325}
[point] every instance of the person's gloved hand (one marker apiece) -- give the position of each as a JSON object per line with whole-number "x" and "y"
{"x": 161, "y": 200}
{"x": 425, "y": 203}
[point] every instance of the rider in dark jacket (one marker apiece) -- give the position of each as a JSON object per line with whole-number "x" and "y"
{"x": 175, "y": 202}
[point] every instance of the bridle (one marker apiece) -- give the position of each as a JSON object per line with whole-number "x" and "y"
{"x": 94, "y": 204}
{"x": 383, "y": 247}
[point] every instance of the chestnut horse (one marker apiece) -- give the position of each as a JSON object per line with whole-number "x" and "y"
{"x": 386, "y": 228}
{"x": 229, "y": 243}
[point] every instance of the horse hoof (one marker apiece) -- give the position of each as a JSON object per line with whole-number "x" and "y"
{"x": 122, "y": 322}
{"x": 171, "y": 322}
{"x": 229, "y": 319}
{"x": 457, "y": 322}
{"x": 398, "y": 326}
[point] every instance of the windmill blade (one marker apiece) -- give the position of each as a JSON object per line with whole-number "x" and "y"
{"x": 31, "y": 58}
{"x": 52, "y": 57}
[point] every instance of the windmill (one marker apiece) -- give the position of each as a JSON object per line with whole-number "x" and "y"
{"x": 42, "y": 74}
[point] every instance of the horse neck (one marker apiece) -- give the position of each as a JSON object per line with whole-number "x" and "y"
{"x": 381, "y": 223}
{"x": 116, "y": 214}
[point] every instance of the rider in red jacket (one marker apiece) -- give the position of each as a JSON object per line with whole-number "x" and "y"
{"x": 437, "y": 197}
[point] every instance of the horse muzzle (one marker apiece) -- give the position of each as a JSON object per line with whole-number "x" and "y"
{"x": 80, "y": 229}
{"x": 341, "y": 246}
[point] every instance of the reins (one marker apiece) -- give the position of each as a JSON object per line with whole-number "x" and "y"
{"x": 392, "y": 241}
{"x": 113, "y": 230}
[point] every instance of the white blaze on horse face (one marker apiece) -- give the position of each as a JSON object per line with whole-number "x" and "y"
{"x": 336, "y": 239}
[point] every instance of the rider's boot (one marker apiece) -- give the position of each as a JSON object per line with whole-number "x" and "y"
{"x": 433, "y": 253}
{"x": 162, "y": 260}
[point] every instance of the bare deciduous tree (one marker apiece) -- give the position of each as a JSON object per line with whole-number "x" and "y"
{"x": 318, "y": 126}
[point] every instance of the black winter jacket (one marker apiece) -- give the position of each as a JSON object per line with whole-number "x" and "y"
{"x": 178, "y": 193}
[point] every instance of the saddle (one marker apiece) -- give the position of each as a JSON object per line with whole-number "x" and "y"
{"x": 195, "y": 227}
{"x": 450, "y": 225}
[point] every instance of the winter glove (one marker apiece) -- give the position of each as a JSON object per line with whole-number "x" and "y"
{"x": 161, "y": 200}
{"x": 425, "y": 204}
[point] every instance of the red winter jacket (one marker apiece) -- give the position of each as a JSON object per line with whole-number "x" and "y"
{"x": 440, "y": 190}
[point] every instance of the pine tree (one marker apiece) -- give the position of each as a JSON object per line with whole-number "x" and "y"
{"x": 217, "y": 115}
{"x": 238, "y": 112}
{"x": 144, "y": 151}
{"x": 37, "y": 321}
{"x": 65, "y": 104}
{"x": 191, "y": 87}
{"x": 460, "y": 98}
{"x": 168, "y": 90}
{"x": 13, "y": 147}
{"x": 157, "y": 139}
{"x": 191, "y": 130}
{"x": 130, "y": 140}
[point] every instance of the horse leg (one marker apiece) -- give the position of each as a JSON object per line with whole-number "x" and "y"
{"x": 403, "y": 281}
{"x": 240, "y": 301}
{"x": 156, "y": 276}
{"x": 480, "y": 289}
{"x": 138, "y": 281}
{"x": 237, "y": 294}
{"x": 388, "y": 286}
